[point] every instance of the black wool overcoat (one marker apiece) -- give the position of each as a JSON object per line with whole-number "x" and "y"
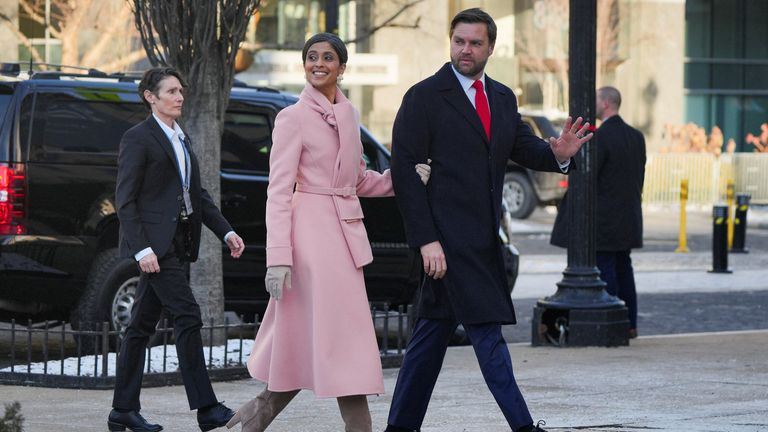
{"x": 620, "y": 173}
{"x": 461, "y": 205}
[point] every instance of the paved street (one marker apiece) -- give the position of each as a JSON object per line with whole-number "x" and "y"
{"x": 676, "y": 294}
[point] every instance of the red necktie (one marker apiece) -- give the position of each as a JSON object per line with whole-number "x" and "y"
{"x": 481, "y": 105}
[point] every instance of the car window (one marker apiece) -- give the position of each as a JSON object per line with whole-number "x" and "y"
{"x": 66, "y": 124}
{"x": 246, "y": 142}
{"x": 370, "y": 151}
{"x": 5, "y": 99}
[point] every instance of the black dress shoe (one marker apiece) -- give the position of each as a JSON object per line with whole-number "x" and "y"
{"x": 532, "y": 428}
{"x": 213, "y": 416}
{"x": 131, "y": 420}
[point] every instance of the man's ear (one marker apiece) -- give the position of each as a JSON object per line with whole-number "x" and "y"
{"x": 490, "y": 48}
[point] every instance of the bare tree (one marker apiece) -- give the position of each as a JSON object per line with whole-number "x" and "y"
{"x": 200, "y": 38}
{"x": 88, "y": 30}
{"x": 551, "y": 62}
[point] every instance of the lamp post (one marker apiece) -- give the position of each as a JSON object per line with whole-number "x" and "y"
{"x": 581, "y": 312}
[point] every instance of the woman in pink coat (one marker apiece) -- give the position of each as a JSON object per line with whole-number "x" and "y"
{"x": 317, "y": 333}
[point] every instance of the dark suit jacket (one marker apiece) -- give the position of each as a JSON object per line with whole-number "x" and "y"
{"x": 461, "y": 205}
{"x": 620, "y": 165}
{"x": 149, "y": 193}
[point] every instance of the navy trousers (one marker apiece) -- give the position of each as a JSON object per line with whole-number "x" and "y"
{"x": 424, "y": 359}
{"x": 616, "y": 271}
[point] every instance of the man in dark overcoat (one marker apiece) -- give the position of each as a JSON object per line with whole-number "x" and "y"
{"x": 620, "y": 166}
{"x": 469, "y": 126}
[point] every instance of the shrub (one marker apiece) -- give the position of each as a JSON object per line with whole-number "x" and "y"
{"x": 13, "y": 421}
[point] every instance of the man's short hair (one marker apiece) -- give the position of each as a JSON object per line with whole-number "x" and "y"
{"x": 152, "y": 78}
{"x": 475, "y": 15}
{"x": 610, "y": 95}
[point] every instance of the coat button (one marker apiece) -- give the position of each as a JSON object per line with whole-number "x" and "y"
{"x": 179, "y": 198}
{"x": 173, "y": 219}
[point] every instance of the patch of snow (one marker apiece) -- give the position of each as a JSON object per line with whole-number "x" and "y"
{"x": 153, "y": 361}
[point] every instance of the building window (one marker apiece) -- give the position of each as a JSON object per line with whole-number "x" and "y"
{"x": 725, "y": 66}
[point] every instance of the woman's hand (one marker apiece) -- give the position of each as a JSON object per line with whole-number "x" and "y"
{"x": 424, "y": 171}
{"x": 277, "y": 278}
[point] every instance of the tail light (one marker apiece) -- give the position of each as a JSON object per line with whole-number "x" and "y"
{"x": 563, "y": 184}
{"x": 12, "y": 199}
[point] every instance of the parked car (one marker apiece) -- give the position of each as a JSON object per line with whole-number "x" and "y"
{"x": 59, "y": 136}
{"x": 525, "y": 189}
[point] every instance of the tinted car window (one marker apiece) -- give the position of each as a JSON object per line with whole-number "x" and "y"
{"x": 65, "y": 124}
{"x": 5, "y": 99}
{"x": 370, "y": 152}
{"x": 246, "y": 142}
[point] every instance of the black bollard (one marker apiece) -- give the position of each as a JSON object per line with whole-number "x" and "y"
{"x": 720, "y": 240}
{"x": 740, "y": 224}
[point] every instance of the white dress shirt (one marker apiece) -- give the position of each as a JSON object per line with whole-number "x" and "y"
{"x": 466, "y": 84}
{"x": 176, "y": 137}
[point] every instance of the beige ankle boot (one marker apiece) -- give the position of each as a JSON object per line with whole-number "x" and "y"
{"x": 354, "y": 411}
{"x": 256, "y": 414}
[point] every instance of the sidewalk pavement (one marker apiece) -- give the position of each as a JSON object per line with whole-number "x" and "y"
{"x": 655, "y": 272}
{"x": 707, "y": 382}
{"x": 716, "y": 382}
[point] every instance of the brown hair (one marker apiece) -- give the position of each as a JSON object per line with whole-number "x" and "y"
{"x": 152, "y": 78}
{"x": 475, "y": 15}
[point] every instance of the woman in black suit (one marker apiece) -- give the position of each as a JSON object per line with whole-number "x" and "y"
{"x": 162, "y": 207}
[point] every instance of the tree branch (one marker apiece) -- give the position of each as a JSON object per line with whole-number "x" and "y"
{"x": 106, "y": 38}
{"x": 121, "y": 63}
{"x": 388, "y": 22}
{"x": 22, "y": 37}
{"x": 31, "y": 12}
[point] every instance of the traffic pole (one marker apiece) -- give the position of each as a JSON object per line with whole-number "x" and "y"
{"x": 720, "y": 240}
{"x": 682, "y": 239}
{"x": 740, "y": 224}
{"x": 729, "y": 199}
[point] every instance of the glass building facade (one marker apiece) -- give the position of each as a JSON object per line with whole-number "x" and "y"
{"x": 726, "y": 66}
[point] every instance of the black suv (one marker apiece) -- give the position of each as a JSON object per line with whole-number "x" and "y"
{"x": 59, "y": 136}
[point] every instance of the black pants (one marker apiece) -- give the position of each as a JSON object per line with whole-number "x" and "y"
{"x": 616, "y": 271}
{"x": 170, "y": 289}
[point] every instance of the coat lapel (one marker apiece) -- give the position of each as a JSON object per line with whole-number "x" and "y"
{"x": 457, "y": 98}
{"x": 495, "y": 103}
{"x": 162, "y": 139}
{"x": 343, "y": 118}
{"x": 347, "y": 165}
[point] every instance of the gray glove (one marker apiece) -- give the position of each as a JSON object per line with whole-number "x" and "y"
{"x": 277, "y": 277}
{"x": 424, "y": 171}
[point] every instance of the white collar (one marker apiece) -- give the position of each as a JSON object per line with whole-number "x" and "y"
{"x": 170, "y": 133}
{"x": 466, "y": 83}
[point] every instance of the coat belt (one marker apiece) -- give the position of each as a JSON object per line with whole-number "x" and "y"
{"x": 320, "y": 190}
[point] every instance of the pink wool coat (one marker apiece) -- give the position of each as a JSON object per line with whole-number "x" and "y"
{"x": 319, "y": 335}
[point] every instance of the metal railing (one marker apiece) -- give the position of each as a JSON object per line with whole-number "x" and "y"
{"x": 707, "y": 177}
{"x": 52, "y": 354}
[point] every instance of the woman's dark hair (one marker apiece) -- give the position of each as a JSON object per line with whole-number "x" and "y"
{"x": 336, "y": 44}
{"x": 476, "y": 15}
{"x": 151, "y": 81}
